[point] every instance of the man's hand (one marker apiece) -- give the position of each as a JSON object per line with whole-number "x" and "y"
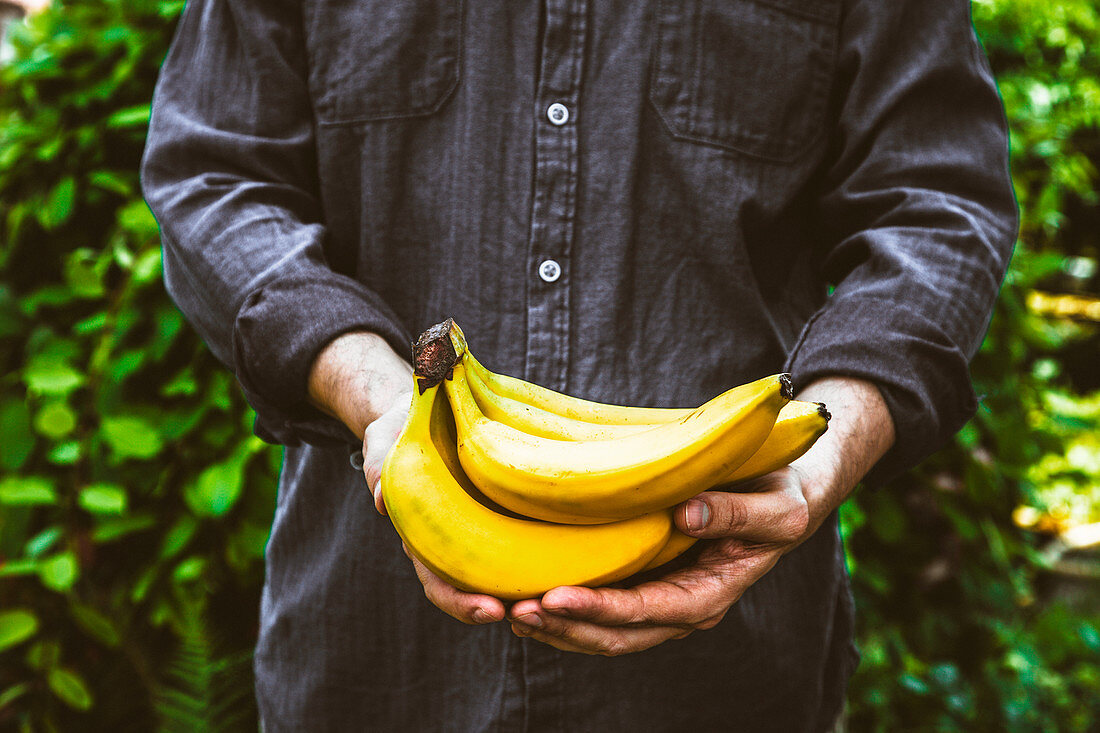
{"x": 469, "y": 608}
{"x": 361, "y": 381}
{"x": 749, "y": 532}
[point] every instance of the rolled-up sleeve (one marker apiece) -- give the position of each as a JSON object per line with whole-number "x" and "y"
{"x": 229, "y": 172}
{"x": 918, "y": 219}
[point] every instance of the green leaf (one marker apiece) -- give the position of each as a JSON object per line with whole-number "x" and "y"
{"x": 15, "y": 568}
{"x": 95, "y": 623}
{"x": 70, "y": 688}
{"x": 138, "y": 220}
{"x": 27, "y": 490}
{"x": 147, "y": 267}
{"x": 131, "y": 437}
{"x": 81, "y": 274}
{"x": 59, "y": 572}
{"x": 66, "y": 454}
{"x": 183, "y": 385}
{"x": 51, "y": 376}
{"x": 109, "y": 530}
{"x": 130, "y": 117}
{"x": 13, "y": 693}
{"x": 36, "y": 546}
{"x": 176, "y": 538}
{"x": 16, "y": 438}
{"x": 91, "y": 324}
{"x": 55, "y": 420}
{"x": 103, "y": 499}
{"x": 189, "y": 570}
{"x": 111, "y": 181}
{"x": 59, "y": 204}
{"x": 217, "y": 488}
{"x": 913, "y": 683}
{"x": 16, "y": 626}
{"x": 43, "y": 655}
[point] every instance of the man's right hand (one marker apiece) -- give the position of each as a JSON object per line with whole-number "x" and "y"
{"x": 361, "y": 381}
{"x": 378, "y": 439}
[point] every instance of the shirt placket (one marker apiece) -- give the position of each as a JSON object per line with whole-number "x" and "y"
{"x": 554, "y": 203}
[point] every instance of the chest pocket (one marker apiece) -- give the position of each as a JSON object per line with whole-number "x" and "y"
{"x": 382, "y": 59}
{"x": 746, "y": 75}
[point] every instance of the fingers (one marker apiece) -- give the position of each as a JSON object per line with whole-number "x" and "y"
{"x": 614, "y": 621}
{"x": 654, "y": 603}
{"x": 776, "y": 514}
{"x": 378, "y": 439}
{"x": 469, "y": 608}
{"x": 379, "y": 500}
{"x": 587, "y": 638}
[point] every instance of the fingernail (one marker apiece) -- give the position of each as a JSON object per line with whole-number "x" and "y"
{"x": 377, "y": 488}
{"x": 696, "y": 515}
{"x": 529, "y": 619}
{"x": 482, "y": 616}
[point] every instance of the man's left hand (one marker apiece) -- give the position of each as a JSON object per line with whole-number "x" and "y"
{"x": 746, "y": 533}
{"x": 749, "y": 533}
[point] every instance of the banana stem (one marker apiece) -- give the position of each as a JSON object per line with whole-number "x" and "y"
{"x": 436, "y": 352}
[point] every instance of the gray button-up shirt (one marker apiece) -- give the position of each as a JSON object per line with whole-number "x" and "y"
{"x": 639, "y": 202}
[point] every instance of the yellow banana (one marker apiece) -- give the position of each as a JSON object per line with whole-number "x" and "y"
{"x": 566, "y": 406}
{"x": 539, "y": 421}
{"x": 543, "y": 412}
{"x": 478, "y": 550}
{"x": 678, "y": 543}
{"x": 798, "y": 427}
{"x": 585, "y": 482}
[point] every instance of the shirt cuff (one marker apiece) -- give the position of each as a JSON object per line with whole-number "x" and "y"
{"x": 923, "y": 376}
{"x": 280, "y": 329}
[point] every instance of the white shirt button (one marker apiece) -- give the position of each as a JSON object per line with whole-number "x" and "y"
{"x": 557, "y": 113}
{"x": 549, "y": 270}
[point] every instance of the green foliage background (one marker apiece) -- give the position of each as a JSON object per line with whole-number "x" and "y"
{"x": 134, "y": 503}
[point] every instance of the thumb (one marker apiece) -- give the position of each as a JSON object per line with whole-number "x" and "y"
{"x": 378, "y": 439}
{"x": 774, "y": 515}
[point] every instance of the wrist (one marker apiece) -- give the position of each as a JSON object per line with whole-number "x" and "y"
{"x": 356, "y": 377}
{"x": 860, "y": 433}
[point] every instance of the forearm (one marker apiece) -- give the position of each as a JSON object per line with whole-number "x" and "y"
{"x": 356, "y": 378}
{"x": 860, "y": 432}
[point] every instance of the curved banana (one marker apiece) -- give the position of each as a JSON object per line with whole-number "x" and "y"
{"x": 478, "y": 550}
{"x": 798, "y": 427}
{"x": 587, "y": 482}
{"x": 570, "y": 407}
{"x": 549, "y": 414}
{"x": 678, "y": 543}
{"x": 539, "y": 421}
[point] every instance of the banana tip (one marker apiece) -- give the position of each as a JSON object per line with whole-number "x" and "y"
{"x": 785, "y": 387}
{"x": 824, "y": 411}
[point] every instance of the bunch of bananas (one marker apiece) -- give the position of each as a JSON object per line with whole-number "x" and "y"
{"x": 503, "y": 487}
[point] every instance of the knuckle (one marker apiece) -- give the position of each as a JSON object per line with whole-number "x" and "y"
{"x": 639, "y": 613}
{"x": 798, "y": 519}
{"x": 735, "y": 515}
